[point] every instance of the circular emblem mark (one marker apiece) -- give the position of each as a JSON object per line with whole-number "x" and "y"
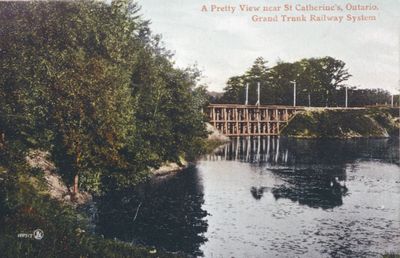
{"x": 38, "y": 234}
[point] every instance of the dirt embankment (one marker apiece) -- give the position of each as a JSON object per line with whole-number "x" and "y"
{"x": 215, "y": 135}
{"x": 170, "y": 168}
{"x": 56, "y": 187}
{"x": 342, "y": 123}
{"x": 214, "y": 139}
{"x": 58, "y": 190}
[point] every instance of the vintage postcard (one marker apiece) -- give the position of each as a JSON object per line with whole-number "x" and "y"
{"x": 200, "y": 128}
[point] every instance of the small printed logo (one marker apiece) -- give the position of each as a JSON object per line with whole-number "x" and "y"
{"x": 38, "y": 234}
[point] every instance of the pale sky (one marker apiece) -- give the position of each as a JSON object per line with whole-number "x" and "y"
{"x": 224, "y": 45}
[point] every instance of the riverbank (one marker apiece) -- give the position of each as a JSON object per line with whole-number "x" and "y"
{"x": 33, "y": 196}
{"x": 57, "y": 190}
{"x": 391, "y": 255}
{"x": 28, "y": 203}
{"x": 214, "y": 139}
{"x": 351, "y": 123}
{"x": 284, "y": 180}
{"x": 30, "y": 197}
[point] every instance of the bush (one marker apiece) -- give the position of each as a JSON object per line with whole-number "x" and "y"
{"x": 23, "y": 209}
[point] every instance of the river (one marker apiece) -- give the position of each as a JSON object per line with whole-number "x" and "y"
{"x": 269, "y": 197}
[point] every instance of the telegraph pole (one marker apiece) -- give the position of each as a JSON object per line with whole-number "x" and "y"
{"x": 258, "y": 94}
{"x": 347, "y": 96}
{"x": 294, "y": 92}
{"x": 392, "y": 104}
{"x": 247, "y": 94}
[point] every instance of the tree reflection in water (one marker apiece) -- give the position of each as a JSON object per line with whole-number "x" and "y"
{"x": 169, "y": 214}
{"x": 323, "y": 188}
{"x": 313, "y": 172}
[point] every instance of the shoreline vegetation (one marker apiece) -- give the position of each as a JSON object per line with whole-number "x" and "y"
{"x": 344, "y": 123}
{"x": 214, "y": 140}
{"x": 95, "y": 101}
{"x": 40, "y": 191}
{"x": 391, "y": 255}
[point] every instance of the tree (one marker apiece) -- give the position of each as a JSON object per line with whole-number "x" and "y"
{"x": 90, "y": 83}
{"x": 234, "y": 92}
{"x": 317, "y": 79}
{"x": 236, "y": 85}
{"x": 80, "y": 71}
{"x": 329, "y": 74}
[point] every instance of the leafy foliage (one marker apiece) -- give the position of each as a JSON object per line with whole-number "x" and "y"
{"x": 377, "y": 122}
{"x": 90, "y": 83}
{"x": 319, "y": 82}
{"x": 25, "y": 206}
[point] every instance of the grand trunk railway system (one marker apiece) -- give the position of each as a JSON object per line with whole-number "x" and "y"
{"x": 250, "y": 120}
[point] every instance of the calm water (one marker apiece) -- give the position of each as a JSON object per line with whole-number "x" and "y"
{"x": 269, "y": 197}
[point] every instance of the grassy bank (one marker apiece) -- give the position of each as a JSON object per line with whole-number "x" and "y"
{"x": 391, "y": 255}
{"x": 28, "y": 202}
{"x": 25, "y": 205}
{"x": 351, "y": 123}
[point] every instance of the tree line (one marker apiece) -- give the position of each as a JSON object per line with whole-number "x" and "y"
{"x": 89, "y": 83}
{"x": 320, "y": 82}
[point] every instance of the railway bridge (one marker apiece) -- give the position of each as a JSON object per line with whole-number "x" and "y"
{"x": 262, "y": 120}
{"x": 250, "y": 120}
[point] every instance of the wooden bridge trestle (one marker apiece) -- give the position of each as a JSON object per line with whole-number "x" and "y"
{"x": 250, "y": 120}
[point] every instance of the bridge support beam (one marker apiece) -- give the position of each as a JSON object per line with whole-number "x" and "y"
{"x": 249, "y": 120}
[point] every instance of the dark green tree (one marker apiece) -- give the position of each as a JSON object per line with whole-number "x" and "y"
{"x": 318, "y": 82}
{"x": 89, "y": 82}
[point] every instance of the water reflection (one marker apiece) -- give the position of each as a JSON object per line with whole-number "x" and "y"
{"x": 269, "y": 197}
{"x": 324, "y": 188}
{"x": 287, "y": 151}
{"x": 166, "y": 214}
{"x": 313, "y": 172}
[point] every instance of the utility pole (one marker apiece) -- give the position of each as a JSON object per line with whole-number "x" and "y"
{"x": 247, "y": 94}
{"x": 258, "y": 94}
{"x": 309, "y": 99}
{"x": 392, "y": 104}
{"x": 347, "y": 96}
{"x": 294, "y": 92}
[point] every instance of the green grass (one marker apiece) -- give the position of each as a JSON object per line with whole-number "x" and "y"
{"x": 211, "y": 145}
{"x": 26, "y": 206}
{"x": 391, "y": 255}
{"x": 342, "y": 124}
